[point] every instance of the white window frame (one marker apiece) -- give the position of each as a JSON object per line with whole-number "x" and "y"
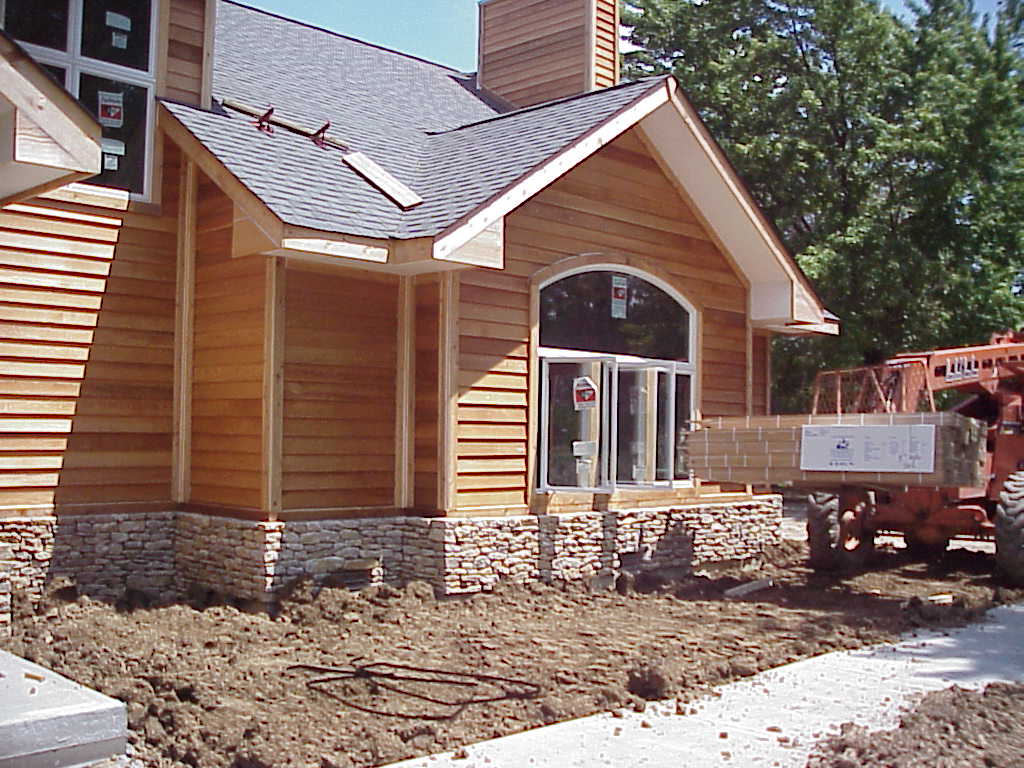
{"x": 608, "y": 396}
{"x": 75, "y": 64}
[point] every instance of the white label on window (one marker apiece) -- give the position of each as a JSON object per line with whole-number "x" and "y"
{"x": 111, "y": 109}
{"x": 620, "y": 293}
{"x": 584, "y": 393}
{"x": 584, "y": 448}
{"x": 119, "y": 40}
{"x": 119, "y": 21}
{"x": 110, "y": 162}
{"x": 112, "y": 146}
{"x": 875, "y": 448}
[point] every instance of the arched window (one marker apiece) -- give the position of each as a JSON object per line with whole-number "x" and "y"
{"x": 617, "y": 372}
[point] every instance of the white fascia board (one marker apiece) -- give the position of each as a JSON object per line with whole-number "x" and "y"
{"x": 469, "y": 226}
{"x": 776, "y": 286}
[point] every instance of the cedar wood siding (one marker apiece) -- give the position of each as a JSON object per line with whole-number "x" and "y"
{"x": 425, "y": 446}
{"x": 87, "y": 295}
{"x": 533, "y": 52}
{"x": 606, "y": 44}
{"x": 183, "y": 77}
{"x": 606, "y": 205}
{"x": 340, "y": 352}
{"x": 86, "y": 351}
{"x": 227, "y": 372}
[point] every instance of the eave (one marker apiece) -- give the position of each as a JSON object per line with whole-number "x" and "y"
{"x": 781, "y": 297}
{"x": 48, "y": 138}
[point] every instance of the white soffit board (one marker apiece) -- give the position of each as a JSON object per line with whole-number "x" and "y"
{"x": 776, "y": 288}
{"x": 332, "y": 248}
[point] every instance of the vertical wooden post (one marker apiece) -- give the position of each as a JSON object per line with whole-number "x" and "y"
{"x": 448, "y": 391}
{"x": 405, "y": 393}
{"x": 749, "y": 378}
{"x": 273, "y": 385}
{"x": 184, "y": 314}
{"x": 590, "y": 46}
{"x": 533, "y": 395}
{"x": 209, "y": 24}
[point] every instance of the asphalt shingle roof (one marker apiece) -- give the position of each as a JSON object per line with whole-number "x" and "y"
{"x": 423, "y": 122}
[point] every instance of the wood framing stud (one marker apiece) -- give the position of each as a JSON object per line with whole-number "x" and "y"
{"x": 184, "y": 314}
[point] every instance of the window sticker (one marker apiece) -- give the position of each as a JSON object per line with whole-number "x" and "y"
{"x": 584, "y": 393}
{"x": 112, "y": 146}
{"x": 111, "y": 162}
{"x": 119, "y": 21}
{"x": 620, "y": 293}
{"x": 111, "y": 109}
{"x": 119, "y": 40}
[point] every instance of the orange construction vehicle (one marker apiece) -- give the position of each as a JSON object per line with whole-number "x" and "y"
{"x": 842, "y": 526}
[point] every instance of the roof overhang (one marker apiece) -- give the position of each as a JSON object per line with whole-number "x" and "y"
{"x": 47, "y": 139}
{"x": 781, "y": 297}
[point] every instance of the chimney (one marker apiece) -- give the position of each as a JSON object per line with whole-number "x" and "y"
{"x": 537, "y": 50}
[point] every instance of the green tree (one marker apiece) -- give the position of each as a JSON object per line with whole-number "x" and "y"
{"x": 889, "y": 153}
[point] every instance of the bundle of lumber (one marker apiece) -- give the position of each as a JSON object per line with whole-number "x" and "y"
{"x": 884, "y": 450}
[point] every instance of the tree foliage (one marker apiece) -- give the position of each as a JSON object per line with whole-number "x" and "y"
{"x": 889, "y": 152}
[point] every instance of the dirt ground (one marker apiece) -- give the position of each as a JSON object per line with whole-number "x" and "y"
{"x": 948, "y": 729}
{"x": 210, "y": 685}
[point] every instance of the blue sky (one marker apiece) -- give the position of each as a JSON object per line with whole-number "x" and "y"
{"x": 443, "y": 31}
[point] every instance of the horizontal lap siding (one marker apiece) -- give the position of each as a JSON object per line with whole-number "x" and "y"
{"x": 494, "y": 335}
{"x": 534, "y": 52}
{"x": 227, "y": 378}
{"x": 606, "y": 57}
{"x": 339, "y": 391}
{"x": 183, "y": 79}
{"x": 617, "y": 203}
{"x": 86, "y": 354}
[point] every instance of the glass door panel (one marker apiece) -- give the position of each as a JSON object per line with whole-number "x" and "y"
{"x": 631, "y": 440}
{"x": 665, "y": 442}
{"x": 573, "y": 424}
{"x": 683, "y": 409}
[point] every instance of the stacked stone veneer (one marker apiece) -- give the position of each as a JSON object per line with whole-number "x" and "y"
{"x": 168, "y": 553}
{"x": 104, "y": 554}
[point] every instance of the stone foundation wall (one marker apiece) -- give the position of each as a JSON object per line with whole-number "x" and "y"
{"x": 104, "y": 554}
{"x": 168, "y": 553}
{"x": 481, "y": 552}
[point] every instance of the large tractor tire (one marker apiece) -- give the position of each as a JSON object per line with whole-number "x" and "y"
{"x": 1010, "y": 529}
{"x": 831, "y": 546}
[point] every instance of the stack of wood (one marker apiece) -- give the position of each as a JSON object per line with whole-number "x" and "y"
{"x": 767, "y": 449}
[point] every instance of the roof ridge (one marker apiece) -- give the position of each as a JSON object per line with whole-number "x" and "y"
{"x": 314, "y": 27}
{"x": 545, "y": 104}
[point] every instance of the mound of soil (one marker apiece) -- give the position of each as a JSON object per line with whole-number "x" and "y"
{"x": 948, "y": 729}
{"x": 212, "y": 685}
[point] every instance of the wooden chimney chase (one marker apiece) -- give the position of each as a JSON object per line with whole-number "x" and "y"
{"x": 533, "y": 51}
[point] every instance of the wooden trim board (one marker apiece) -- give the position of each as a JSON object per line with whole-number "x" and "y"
{"x": 183, "y": 339}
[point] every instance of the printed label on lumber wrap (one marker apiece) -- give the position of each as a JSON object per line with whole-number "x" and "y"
{"x": 868, "y": 448}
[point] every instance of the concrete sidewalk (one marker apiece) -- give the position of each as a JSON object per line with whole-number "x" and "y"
{"x": 775, "y": 717}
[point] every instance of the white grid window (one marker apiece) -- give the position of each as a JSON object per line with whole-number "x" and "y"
{"x": 104, "y": 53}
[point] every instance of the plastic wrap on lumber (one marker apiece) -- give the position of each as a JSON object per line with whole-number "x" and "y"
{"x": 766, "y": 449}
